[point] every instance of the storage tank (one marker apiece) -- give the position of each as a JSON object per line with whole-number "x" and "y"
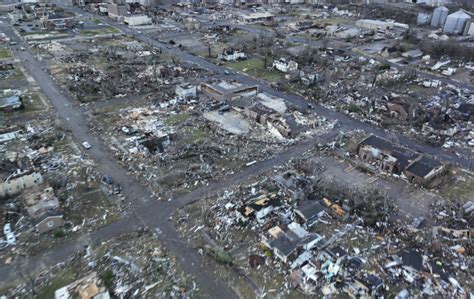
{"x": 456, "y": 23}
{"x": 439, "y": 16}
{"x": 423, "y": 19}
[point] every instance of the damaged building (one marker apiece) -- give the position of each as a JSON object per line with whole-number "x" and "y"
{"x": 391, "y": 158}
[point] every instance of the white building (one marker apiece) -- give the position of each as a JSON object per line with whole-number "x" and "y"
{"x": 285, "y": 66}
{"x": 186, "y": 91}
{"x": 137, "y": 20}
{"x": 374, "y": 24}
{"x": 232, "y": 55}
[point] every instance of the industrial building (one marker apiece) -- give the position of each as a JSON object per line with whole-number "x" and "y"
{"x": 457, "y": 23}
{"x": 439, "y": 16}
{"x": 374, "y": 24}
{"x": 225, "y": 90}
{"x": 435, "y": 2}
{"x": 137, "y": 20}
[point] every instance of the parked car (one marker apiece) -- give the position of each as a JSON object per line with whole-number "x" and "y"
{"x": 107, "y": 180}
{"x": 116, "y": 188}
{"x": 86, "y": 145}
{"x": 7, "y": 229}
{"x": 11, "y": 239}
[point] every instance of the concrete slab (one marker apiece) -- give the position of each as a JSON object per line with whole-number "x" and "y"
{"x": 230, "y": 121}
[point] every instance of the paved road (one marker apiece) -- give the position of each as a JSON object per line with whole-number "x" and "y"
{"x": 347, "y": 123}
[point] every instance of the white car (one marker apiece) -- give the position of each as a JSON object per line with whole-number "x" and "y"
{"x": 86, "y": 145}
{"x": 7, "y": 229}
{"x": 11, "y": 239}
{"x": 9, "y": 235}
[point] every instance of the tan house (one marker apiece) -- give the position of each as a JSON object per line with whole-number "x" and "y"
{"x": 16, "y": 185}
{"x": 49, "y": 221}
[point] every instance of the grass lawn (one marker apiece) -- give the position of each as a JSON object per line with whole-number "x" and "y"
{"x": 26, "y": 33}
{"x": 61, "y": 280}
{"x": 193, "y": 135}
{"x": 33, "y": 103}
{"x": 5, "y": 54}
{"x": 18, "y": 75}
{"x": 97, "y": 21}
{"x": 461, "y": 189}
{"x": 173, "y": 120}
{"x": 92, "y": 205}
{"x": 14, "y": 75}
{"x": 255, "y": 67}
{"x": 336, "y": 20}
{"x": 105, "y": 30}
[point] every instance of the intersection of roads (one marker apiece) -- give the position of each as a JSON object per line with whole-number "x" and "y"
{"x": 145, "y": 210}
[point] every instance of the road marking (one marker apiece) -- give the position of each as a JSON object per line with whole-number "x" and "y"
{"x": 372, "y": 179}
{"x": 349, "y": 169}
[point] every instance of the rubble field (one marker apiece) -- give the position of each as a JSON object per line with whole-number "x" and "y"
{"x": 297, "y": 149}
{"x": 131, "y": 265}
{"x": 347, "y": 64}
{"x": 95, "y": 70}
{"x": 51, "y": 192}
{"x": 299, "y": 231}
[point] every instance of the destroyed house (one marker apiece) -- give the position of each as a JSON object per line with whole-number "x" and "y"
{"x": 423, "y": 170}
{"x": 225, "y": 90}
{"x": 292, "y": 184}
{"x": 386, "y": 156}
{"x": 398, "y": 110}
{"x": 90, "y": 286}
{"x": 373, "y": 283}
{"x": 285, "y": 246}
{"x": 40, "y": 208}
{"x": 252, "y": 109}
{"x": 336, "y": 252}
{"x": 232, "y": 55}
{"x": 5, "y": 137}
{"x": 412, "y": 259}
{"x": 3, "y": 219}
{"x": 467, "y": 111}
{"x": 453, "y": 234}
{"x": 57, "y": 22}
{"x": 310, "y": 211}
{"x": 259, "y": 207}
{"x": 6, "y": 66}
{"x": 335, "y": 208}
{"x": 257, "y": 17}
{"x": 285, "y": 66}
{"x": 39, "y": 200}
{"x": 374, "y": 24}
{"x": 11, "y": 103}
